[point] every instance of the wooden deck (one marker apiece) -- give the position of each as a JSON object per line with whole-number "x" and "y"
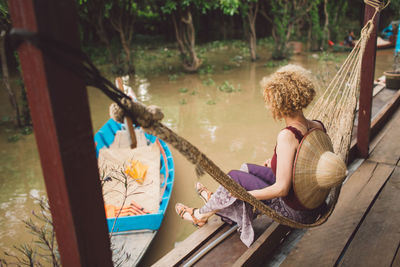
{"x": 362, "y": 231}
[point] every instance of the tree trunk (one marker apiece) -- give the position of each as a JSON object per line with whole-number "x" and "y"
{"x": 122, "y": 19}
{"x": 127, "y": 49}
{"x": 6, "y": 80}
{"x": 186, "y": 39}
{"x": 251, "y": 16}
{"x": 102, "y": 34}
{"x": 326, "y": 35}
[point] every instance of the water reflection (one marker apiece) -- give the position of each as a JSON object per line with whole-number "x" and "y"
{"x": 142, "y": 89}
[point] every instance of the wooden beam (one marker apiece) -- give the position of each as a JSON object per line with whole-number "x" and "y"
{"x": 264, "y": 246}
{"x": 380, "y": 120}
{"x": 385, "y": 114}
{"x": 377, "y": 240}
{"x": 366, "y": 86}
{"x": 324, "y": 244}
{"x": 59, "y": 107}
{"x": 189, "y": 246}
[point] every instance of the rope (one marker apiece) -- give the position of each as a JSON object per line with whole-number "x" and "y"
{"x": 336, "y": 109}
{"x": 377, "y": 4}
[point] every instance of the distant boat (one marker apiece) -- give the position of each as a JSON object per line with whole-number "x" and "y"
{"x": 133, "y": 234}
{"x": 380, "y": 44}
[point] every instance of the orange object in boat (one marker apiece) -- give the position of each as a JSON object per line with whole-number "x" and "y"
{"x": 137, "y": 171}
{"x": 110, "y": 211}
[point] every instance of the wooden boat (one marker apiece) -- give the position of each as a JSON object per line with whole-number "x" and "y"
{"x": 380, "y": 44}
{"x": 341, "y": 48}
{"x": 132, "y": 235}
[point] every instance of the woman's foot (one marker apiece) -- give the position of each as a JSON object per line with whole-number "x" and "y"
{"x": 191, "y": 214}
{"x": 203, "y": 192}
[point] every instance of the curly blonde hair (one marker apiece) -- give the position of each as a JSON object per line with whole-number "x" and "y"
{"x": 288, "y": 90}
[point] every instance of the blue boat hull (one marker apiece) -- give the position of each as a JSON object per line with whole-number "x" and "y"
{"x": 104, "y": 138}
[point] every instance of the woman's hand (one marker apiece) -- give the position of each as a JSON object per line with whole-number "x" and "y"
{"x": 267, "y": 163}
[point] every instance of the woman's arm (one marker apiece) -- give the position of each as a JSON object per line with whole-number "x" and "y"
{"x": 285, "y": 150}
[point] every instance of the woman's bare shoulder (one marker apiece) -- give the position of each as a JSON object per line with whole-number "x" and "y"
{"x": 286, "y": 136}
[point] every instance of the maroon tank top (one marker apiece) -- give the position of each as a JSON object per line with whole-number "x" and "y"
{"x": 291, "y": 200}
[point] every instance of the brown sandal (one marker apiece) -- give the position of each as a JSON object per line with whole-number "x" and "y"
{"x": 182, "y": 209}
{"x": 200, "y": 189}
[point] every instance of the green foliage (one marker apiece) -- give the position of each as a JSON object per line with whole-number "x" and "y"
{"x": 5, "y": 119}
{"x": 206, "y": 69}
{"x": 394, "y": 6}
{"x": 173, "y": 77}
{"x": 230, "y": 7}
{"x": 326, "y": 56}
{"x": 275, "y": 63}
{"x": 316, "y": 31}
{"x": 169, "y": 6}
{"x": 13, "y": 138}
{"x": 337, "y": 12}
{"x": 208, "y": 82}
{"x": 211, "y": 102}
{"x": 5, "y": 21}
{"x": 183, "y": 90}
{"x": 27, "y": 130}
{"x": 281, "y": 17}
{"x": 227, "y": 87}
{"x": 237, "y": 59}
{"x": 183, "y": 101}
{"x": 227, "y": 67}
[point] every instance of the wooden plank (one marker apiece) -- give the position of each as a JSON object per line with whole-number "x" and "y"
{"x": 388, "y": 149}
{"x": 396, "y": 260}
{"x": 190, "y": 244}
{"x": 377, "y": 240}
{"x": 224, "y": 254}
{"x": 384, "y": 115}
{"x": 130, "y": 246}
{"x": 228, "y": 251}
{"x": 324, "y": 244}
{"x": 264, "y": 246}
{"x": 60, "y": 112}
{"x": 377, "y": 124}
{"x": 366, "y": 85}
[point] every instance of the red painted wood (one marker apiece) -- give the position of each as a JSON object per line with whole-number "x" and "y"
{"x": 60, "y": 113}
{"x": 366, "y": 89}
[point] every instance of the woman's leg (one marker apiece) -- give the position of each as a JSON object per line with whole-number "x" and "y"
{"x": 262, "y": 172}
{"x": 222, "y": 198}
{"x": 251, "y": 181}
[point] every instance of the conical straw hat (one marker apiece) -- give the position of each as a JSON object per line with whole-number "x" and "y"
{"x": 316, "y": 169}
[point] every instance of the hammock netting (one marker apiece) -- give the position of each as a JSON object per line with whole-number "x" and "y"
{"x": 335, "y": 108}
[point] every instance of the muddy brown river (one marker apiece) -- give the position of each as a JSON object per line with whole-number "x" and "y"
{"x": 231, "y": 128}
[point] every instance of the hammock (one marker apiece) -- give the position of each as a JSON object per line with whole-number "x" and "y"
{"x": 336, "y": 108}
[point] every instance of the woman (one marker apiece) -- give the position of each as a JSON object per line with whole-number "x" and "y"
{"x": 287, "y": 92}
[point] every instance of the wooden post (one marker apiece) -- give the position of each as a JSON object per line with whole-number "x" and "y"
{"x": 127, "y": 120}
{"x": 366, "y": 87}
{"x": 59, "y": 107}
